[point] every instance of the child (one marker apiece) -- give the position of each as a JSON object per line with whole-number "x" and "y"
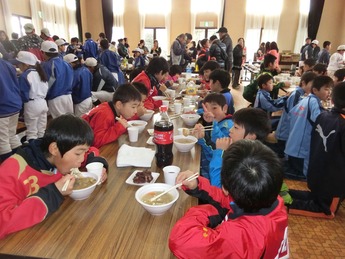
{"x": 219, "y": 83}
{"x": 302, "y": 119}
{"x": 33, "y": 87}
{"x": 204, "y": 54}
{"x": 61, "y": 43}
{"x": 215, "y": 105}
{"x": 138, "y": 61}
{"x": 282, "y": 132}
{"x": 205, "y": 72}
{"x": 248, "y": 123}
{"x": 31, "y": 181}
{"x": 264, "y": 100}
{"x": 308, "y": 65}
{"x": 60, "y": 79}
{"x": 75, "y": 48}
{"x": 109, "y": 119}
{"x": 141, "y": 110}
{"x": 326, "y": 175}
{"x": 339, "y": 76}
{"x": 244, "y": 219}
{"x": 320, "y": 69}
{"x": 81, "y": 87}
{"x": 174, "y": 74}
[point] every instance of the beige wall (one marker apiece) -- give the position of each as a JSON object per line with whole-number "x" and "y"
{"x": 331, "y": 27}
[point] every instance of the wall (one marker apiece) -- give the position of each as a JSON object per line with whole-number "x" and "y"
{"x": 92, "y": 17}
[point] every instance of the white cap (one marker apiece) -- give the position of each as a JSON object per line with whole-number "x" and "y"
{"x": 46, "y": 32}
{"x": 90, "y": 62}
{"x": 61, "y": 42}
{"x": 315, "y": 42}
{"x": 29, "y": 27}
{"x": 27, "y": 57}
{"x": 341, "y": 47}
{"x": 49, "y": 47}
{"x": 70, "y": 58}
{"x": 138, "y": 50}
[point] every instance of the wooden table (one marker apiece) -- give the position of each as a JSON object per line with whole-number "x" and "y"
{"x": 110, "y": 223}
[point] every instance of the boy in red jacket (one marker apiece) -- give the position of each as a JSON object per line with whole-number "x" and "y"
{"x": 244, "y": 219}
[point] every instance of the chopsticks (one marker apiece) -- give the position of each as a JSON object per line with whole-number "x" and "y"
{"x": 175, "y": 116}
{"x": 190, "y": 178}
{"x": 187, "y": 131}
{"x": 76, "y": 173}
{"x": 64, "y": 187}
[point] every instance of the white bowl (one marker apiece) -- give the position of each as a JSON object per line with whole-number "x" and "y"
{"x": 190, "y": 119}
{"x": 156, "y": 210}
{"x": 83, "y": 194}
{"x": 139, "y": 124}
{"x": 184, "y": 147}
{"x": 148, "y": 114}
{"x": 158, "y": 98}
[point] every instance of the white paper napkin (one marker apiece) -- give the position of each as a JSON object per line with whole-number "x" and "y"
{"x": 134, "y": 156}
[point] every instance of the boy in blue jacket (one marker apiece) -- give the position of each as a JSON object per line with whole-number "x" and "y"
{"x": 216, "y": 109}
{"x": 302, "y": 119}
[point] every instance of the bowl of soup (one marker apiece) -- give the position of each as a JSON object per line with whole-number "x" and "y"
{"x": 147, "y": 115}
{"x": 160, "y": 206}
{"x": 190, "y": 119}
{"x": 84, "y": 186}
{"x": 184, "y": 143}
{"x": 139, "y": 124}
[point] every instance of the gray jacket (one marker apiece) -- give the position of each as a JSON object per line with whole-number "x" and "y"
{"x": 176, "y": 53}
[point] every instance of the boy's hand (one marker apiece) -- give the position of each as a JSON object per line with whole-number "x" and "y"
{"x": 123, "y": 121}
{"x": 223, "y": 143}
{"x": 104, "y": 175}
{"x": 198, "y": 131}
{"x": 163, "y": 88}
{"x": 141, "y": 110}
{"x": 60, "y": 183}
{"x": 208, "y": 116}
{"x": 182, "y": 176}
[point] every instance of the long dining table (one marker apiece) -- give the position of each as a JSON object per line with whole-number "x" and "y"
{"x": 110, "y": 223}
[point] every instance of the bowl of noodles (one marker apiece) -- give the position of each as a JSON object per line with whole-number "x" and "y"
{"x": 84, "y": 186}
{"x": 160, "y": 206}
{"x": 184, "y": 143}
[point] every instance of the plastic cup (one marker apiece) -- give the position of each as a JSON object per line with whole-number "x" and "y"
{"x": 165, "y": 103}
{"x": 95, "y": 168}
{"x": 170, "y": 174}
{"x": 172, "y": 93}
{"x": 186, "y": 101}
{"x": 133, "y": 133}
{"x": 178, "y": 107}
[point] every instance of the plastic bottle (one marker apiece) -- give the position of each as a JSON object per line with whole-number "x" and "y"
{"x": 188, "y": 71}
{"x": 163, "y": 138}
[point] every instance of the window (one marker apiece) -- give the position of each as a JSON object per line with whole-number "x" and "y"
{"x": 203, "y": 33}
{"x": 158, "y": 33}
{"x": 18, "y": 23}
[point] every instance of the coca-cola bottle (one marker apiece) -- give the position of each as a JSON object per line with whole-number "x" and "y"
{"x": 163, "y": 138}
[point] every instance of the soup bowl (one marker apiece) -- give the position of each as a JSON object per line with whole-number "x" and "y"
{"x": 147, "y": 115}
{"x": 184, "y": 143}
{"x": 139, "y": 124}
{"x": 156, "y": 210}
{"x": 85, "y": 193}
{"x": 190, "y": 119}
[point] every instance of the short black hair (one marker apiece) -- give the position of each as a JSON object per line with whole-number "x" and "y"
{"x": 216, "y": 98}
{"x": 254, "y": 121}
{"x": 252, "y": 173}
{"x": 126, "y": 93}
{"x": 104, "y": 44}
{"x": 321, "y": 81}
{"x": 102, "y": 34}
{"x": 307, "y": 77}
{"x": 88, "y": 35}
{"x": 338, "y": 95}
{"x": 269, "y": 58}
{"x": 14, "y": 35}
{"x": 189, "y": 36}
{"x": 222, "y": 76}
{"x": 211, "y": 65}
{"x": 263, "y": 79}
{"x": 309, "y": 62}
{"x": 141, "y": 88}
{"x": 156, "y": 65}
{"x": 326, "y": 43}
{"x": 68, "y": 131}
{"x": 340, "y": 74}
{"x": 213, "y": 37}
{"x": 74, "y": 39}
{"x": 320, "y": 68}
{"x": 175, "y": 69}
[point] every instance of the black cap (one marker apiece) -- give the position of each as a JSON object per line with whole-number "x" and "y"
{"x": 222, "y": 29}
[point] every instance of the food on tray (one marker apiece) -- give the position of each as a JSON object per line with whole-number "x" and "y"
{"x": 143, "y": 177}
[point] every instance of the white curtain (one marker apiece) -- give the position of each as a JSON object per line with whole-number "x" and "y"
{"x": 118, "y": 26}
{"x": 302, "y": 30}
{"x": 35, "y": 7}
{"x": 168, "y": 30}
{"x": 220, "y": 15}
{"x": 6, "y": 13}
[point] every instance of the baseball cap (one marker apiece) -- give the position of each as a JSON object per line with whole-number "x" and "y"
{"x": 27, "y": 57}
{"x": 341, "y": 47}
{"x": 49, "y": 47}
{"x": 138, "y": 50}
{"x": 90, "y": 62}
{"x": 29, "y": 27}
{"x": 315, "y": 42}
{"x": 223, "y": 30}
{"x": 70, "y": 58}
{"x": 61, "y": 42}
{"x": 46, "y": 32}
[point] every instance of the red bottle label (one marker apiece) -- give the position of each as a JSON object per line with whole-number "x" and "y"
{"x": 163, "y": 137}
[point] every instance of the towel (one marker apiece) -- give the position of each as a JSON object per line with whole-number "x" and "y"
{"x": 134, "y": 156}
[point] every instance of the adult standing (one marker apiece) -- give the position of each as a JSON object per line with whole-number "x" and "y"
{"x": 178, "y": 49}
{"x": 307, "y": 43}
{"x": 336, "y": 61}
{"x": 237, "y": 66}
{"x": 323, "y": 56}
{"x": 31, "y": 41}
{"x": 216, "y": 50}
{"x": 90, "y": 47}
{"x": 226, "y": 39}
{"x": 125, "y": 42}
